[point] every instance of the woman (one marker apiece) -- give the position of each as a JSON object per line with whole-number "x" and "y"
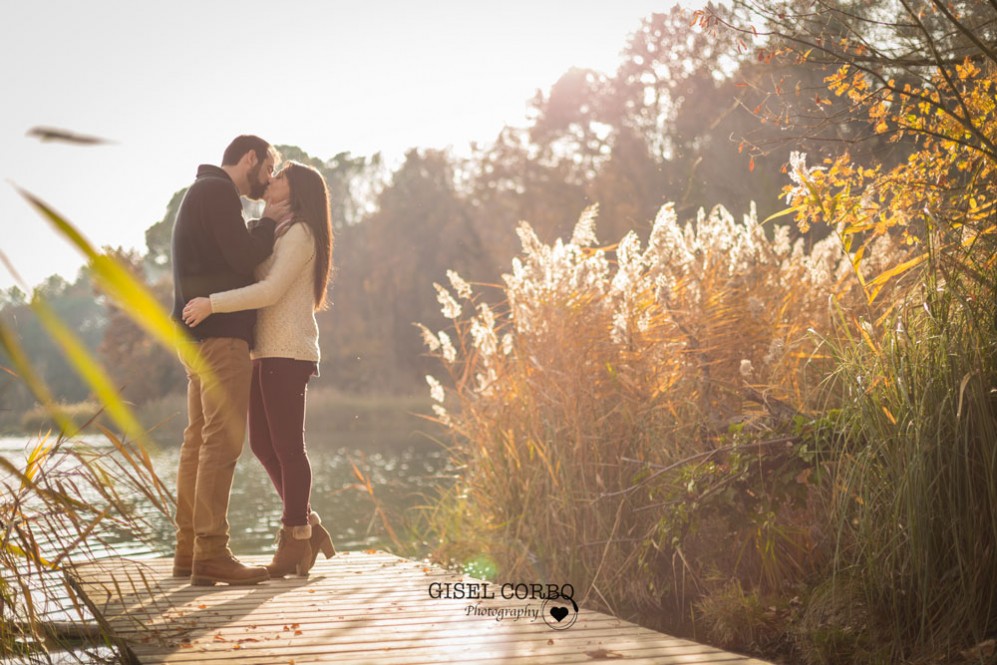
{"x": 291, "y": 287}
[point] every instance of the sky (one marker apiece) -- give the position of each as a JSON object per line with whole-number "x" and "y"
{"x": 170, "y": 84}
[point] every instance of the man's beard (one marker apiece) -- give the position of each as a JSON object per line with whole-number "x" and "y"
{"x": 256, "y": 188}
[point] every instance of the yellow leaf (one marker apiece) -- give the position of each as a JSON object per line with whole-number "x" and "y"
{"x": 36, "y": 458}
{"x": 17, "y": 551}
{"x": 783, "y": 213}
{"x": 868, "y": 339}
{"x": 857, "y": 262}
{"x": 879, "y": 282}
{"x": 962, "y": 392}
{"x": 889, "y": 416}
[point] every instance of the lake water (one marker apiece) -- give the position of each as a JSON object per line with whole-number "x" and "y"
{"x": 403, "y": 480}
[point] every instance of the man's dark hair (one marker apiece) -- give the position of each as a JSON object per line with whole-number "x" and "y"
{"x": 243, "y": 144}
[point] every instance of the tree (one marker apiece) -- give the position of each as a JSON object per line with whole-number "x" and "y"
{"x": 508, "y": 182}
{"x": 158, "y": 259}
{"x": 384, "y": 278}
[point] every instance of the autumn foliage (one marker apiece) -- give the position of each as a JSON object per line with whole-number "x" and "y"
{"x": 941, "y": 199}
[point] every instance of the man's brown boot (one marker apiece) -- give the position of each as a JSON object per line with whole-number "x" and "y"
{"x": 182, "y": 565}
{"x": 225, "y": 570}
{"x": 294, "y": 552}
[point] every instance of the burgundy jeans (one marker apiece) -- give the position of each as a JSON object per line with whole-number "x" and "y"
{"x": 277, "y": 431}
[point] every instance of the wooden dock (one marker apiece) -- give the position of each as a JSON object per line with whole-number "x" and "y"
{"x": 358, "y": 607}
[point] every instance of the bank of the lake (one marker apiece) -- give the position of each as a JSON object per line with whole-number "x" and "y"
{"x": 334, "y": 418}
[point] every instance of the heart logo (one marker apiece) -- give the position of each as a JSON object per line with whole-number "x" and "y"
{"x": 559, "y": 613}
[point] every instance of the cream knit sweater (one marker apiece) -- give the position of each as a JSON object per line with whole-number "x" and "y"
{"x": 284, "y": 296}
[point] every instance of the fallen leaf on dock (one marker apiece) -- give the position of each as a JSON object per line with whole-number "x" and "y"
{"x": 603, "y": 654}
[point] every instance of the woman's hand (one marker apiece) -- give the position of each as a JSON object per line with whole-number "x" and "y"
{"x": 196, "y": 311}
{"x": 278, "y": 211}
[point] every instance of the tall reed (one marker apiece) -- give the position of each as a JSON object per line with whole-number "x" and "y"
{"x": 916, "y": 499}
{"x": 625, "y": 421}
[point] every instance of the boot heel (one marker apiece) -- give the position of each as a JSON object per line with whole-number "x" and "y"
{"x": 321, "y": 542}
{"x": 201, "y": 581}
{"x": 305, "y": 563}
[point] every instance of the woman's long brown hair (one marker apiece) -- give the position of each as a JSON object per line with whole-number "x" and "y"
{"x": 310, "y": 204}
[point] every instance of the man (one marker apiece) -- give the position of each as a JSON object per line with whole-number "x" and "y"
{"x": 214, "y": 251}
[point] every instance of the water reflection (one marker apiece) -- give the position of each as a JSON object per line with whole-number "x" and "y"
{"x": 402, "y": 481}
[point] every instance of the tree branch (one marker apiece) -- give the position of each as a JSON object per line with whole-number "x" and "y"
{"x": 965, "y": 31}
{"x": 968, "y": 122}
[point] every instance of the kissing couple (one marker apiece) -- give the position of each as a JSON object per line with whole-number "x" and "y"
{"x": 246, "y": 297}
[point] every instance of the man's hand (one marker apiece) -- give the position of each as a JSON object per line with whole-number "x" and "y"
{"x": 196, "y": 311}
{"x": 278, "y": 212}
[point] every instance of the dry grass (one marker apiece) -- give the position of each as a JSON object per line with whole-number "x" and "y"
{"x": 64, "y": 503}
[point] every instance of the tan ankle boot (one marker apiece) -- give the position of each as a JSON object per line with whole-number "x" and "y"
{"x": 294, "y": 552}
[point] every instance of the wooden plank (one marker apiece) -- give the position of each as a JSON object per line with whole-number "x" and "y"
{"x": 499, "y": 645}
{"x": 650, "y": 656}
{"x": 365, "y": 643}
{"x": 367, "y": 607}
